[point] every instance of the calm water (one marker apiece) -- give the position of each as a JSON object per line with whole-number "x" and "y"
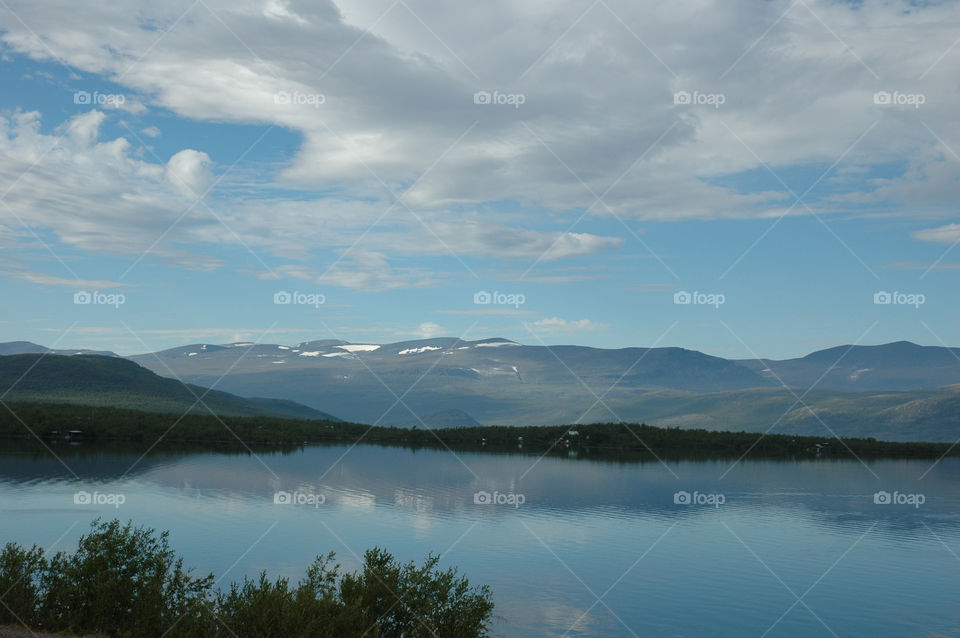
{"x": 595, "y": 549}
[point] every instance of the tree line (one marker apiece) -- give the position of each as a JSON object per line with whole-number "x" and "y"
{"x": 599, "y": 440}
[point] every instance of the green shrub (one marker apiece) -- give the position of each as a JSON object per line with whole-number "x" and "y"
{"x": 122, "y": 580}
{"x": 126, "y": 581}
{"x": 404, "y": 600}
{"x": 21, "y": 571}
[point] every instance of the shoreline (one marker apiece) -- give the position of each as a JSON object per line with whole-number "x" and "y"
{"x": 50, "y": 425}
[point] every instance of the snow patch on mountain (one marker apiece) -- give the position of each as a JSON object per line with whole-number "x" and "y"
{"x": 419, "y": 350}
{"x": 359, "y": 347}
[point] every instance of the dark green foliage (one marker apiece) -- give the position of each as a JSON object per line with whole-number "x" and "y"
{"x": 126, "y": 581}
{"x": 264, "y": 608}
{"x": 21, "y": 571}
{"x": 123, "y": 580}
{"x": 596, "y": 440}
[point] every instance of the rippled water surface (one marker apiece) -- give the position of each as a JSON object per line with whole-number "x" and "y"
{"x": 595, "y": 549}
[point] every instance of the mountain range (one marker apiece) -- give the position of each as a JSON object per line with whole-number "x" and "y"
{"x": 896, "y": 391}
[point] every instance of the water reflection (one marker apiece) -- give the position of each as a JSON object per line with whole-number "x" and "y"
{"x": 586, "y": 529}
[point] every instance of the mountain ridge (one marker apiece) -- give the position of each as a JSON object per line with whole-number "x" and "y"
{"x": 900, "y": 389}
{"x": 118, "y": 382}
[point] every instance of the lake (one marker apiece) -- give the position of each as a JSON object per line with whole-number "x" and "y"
{"x": 570, "y": 547}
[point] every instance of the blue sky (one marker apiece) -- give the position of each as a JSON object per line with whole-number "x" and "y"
{"x": 340, "y": 150}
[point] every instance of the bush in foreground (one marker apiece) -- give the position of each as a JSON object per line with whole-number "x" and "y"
{"x": 126, "y": 581}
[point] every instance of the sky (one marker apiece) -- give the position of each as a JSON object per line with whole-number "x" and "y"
{"x": 741, "y": 178}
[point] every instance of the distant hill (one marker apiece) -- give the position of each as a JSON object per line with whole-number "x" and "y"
{"x": 117, "y": 382}
{"x": 494, "y": 381}
{"x": 893, "y": 366}
{"x": 445, "y": 419}
{"x": 27, "y": 347}
{"x": 919, "y": 415}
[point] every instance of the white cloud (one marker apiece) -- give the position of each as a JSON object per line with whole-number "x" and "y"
{"x": 597, "y": 96}
{"x": 470, "y": 234}
{"x": 189, "y": 172}
{"x": 948, "y": 234}
{"x": 428, "y": 330}
{"x": 556, "y": 326}
{"x": 45, "y": 279}
{"x": 94, "y": 194}
{"x": 280, "y": 10}
{"x": 361, "y": 270}
{"x": 398, "y": 106}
